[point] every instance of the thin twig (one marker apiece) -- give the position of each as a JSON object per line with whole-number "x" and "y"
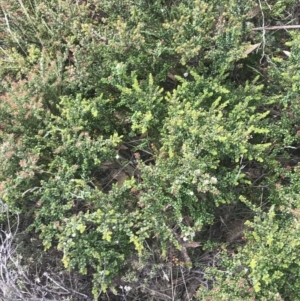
{"x": 287, "y": 27}
{"x": 184, "y": 282}
{"x": 264, "y": 31}
{"x": 47, "y": 276}
{"x": 268, "y": 5}
{"x": 166, "y": 297}
{"x": 7, "y": 23}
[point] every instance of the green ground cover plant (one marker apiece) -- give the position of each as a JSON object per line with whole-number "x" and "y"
{"x": 139, "y": 137}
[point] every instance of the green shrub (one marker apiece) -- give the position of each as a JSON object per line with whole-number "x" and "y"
{"x": 124, "y": 123}
{"x": 266, "y": 268}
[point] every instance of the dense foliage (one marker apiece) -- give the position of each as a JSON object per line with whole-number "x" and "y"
{"x": 131, "y": 128}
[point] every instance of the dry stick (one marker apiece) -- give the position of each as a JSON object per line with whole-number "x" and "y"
{"x": 184, "y": 282}
{"x": 172, "y": 286}
{"x": 287, "y": 27}
{"x": 264, "y": 31}
{"x": 159, "y": 294}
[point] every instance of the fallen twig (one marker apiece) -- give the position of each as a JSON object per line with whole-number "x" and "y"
{"x": 287, "y": 27}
